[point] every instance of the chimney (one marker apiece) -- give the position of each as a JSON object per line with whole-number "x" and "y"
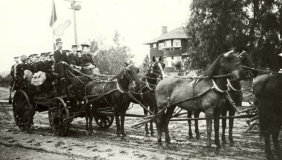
{"x": 164, "y": 30}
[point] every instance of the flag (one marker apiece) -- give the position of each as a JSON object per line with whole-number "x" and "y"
{"x": 53, "y": 15}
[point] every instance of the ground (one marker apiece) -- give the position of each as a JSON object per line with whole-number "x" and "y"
{"x": 104, "y": 144}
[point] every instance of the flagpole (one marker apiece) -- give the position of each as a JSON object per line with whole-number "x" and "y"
{"x": 53, "y": 15}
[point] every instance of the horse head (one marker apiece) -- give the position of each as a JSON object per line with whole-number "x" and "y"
{"x": 247, "y": 61}
{"x": 130, "y": 72}
{"x": 225, "y": 64}
{"x": 156, "y": 69}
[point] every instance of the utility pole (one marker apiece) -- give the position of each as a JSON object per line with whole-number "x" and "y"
{"x": 74, "y": 8}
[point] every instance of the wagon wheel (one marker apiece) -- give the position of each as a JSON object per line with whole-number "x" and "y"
{"x": 58, "y": 112}
{"x": 104, "y": 121}
{"x": 23, "y": 111}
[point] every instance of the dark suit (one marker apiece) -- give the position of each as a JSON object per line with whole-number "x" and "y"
{"x": 71, "y": 58}
{"x": 60, "y": 55}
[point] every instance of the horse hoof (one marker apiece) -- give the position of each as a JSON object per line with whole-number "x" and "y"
{"x": 87, "y": 133}
{"x": 198, "y": 137}
{"x": 153, "y": 135}
{"x": 123, "y": 135}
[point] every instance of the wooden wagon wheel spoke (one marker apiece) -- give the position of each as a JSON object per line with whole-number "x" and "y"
{"x": 22, "y": 111}
{"x": 57, "y": 113}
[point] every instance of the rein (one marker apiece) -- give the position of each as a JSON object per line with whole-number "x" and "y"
{"x": 258, "y": 69}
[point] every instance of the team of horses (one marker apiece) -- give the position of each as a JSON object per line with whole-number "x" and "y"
{"x": 214, "y": 92}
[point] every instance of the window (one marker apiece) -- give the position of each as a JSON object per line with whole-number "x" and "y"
{"x": 168, "y": 43}
{"x": 161, "y": 46}
{"x": 154, "y": 45}
{"x": 176, "y": 43}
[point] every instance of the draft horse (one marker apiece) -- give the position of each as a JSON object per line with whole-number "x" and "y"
{"x": 268, "y": 94}
{"x": 111, "y": 93}
{"x": 145, "y": 91}
{"x": 234, "y": 89}
{"x": 205, "y": 95}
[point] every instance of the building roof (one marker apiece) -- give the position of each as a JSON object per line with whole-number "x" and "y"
{"x": 177, "y": 33}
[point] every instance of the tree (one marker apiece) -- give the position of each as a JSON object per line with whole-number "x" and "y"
{"x": 217, "y": 26}
{"x": 110, "y": 60}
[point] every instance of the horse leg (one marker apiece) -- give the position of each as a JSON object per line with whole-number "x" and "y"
{"x": 189, "y": 115}
{"x": 209, "y": 117}
{"x": 122, "y": 119}
{"x": 151, "y": 122}
{"x": 159, "y": 124}
{"x": 275, "y": 135}
{"x": 231, "y": 122}
{"x": 267, "y": 145}
{"x": 90, "y": 120}
{"x": 86, "y": 119}
{"x": 196, "y": 115}
{"x": 216, "y": 128}
{"x": 117, "y": 119}
{"x": 146, "y": 125}
{"x": 223, "y": 113}
{"x": 168, "y": 115}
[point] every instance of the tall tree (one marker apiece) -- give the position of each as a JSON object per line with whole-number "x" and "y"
{"x": 217, "y": 26}
{"x": 110, "y": 60}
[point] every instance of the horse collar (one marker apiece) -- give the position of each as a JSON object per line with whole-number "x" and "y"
{"x": 119, "y": 88}
{"x": 216, "y": 87}
{"x": 231, "y": 87}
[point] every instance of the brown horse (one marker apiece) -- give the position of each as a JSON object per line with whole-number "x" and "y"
{"x": 204, "y": 96}
{"x": 145, "y": 91}
{"x": 112, "y": 93}
{"x": 268, "y": 94}
{"x": 234, "y": 89}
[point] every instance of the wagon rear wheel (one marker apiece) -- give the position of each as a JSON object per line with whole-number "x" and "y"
{"x": 58, "y": 114}
{"x": 23, "y": 111}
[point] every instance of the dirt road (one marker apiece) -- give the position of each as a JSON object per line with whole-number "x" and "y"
{"x": 104, "y": 144}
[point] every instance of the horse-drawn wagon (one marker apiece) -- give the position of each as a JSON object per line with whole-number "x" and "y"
{"x": 88, "y": 97}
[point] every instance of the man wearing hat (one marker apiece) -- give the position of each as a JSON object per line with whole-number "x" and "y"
{"x": 60, "y": 61}
{"x": 13, "y": 73}
{"x": 71, "y": 58}
{"x": 87, "y": 60}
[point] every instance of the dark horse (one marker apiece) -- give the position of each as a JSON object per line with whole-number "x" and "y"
{"x": 145, "y": 91}
{"x": 268, "y": 94}
{"x": 205, "y": 95}
{"x": 234, "y": 89}
{"x": 111, "y": 93}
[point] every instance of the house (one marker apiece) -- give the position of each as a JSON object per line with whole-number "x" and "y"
{"x": 172, "y": 46}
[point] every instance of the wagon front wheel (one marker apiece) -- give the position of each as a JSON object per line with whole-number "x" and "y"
{"x": 23, "y": 111}
{"x": 104, "y": 121}
{"x": 58, "y": 115}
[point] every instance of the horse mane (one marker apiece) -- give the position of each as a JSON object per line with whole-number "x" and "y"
{"x": 215, "y": 65}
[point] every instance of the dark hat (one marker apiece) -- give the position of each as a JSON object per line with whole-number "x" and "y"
{"x": 59, "y": 40}
{"x": 43, "y": 54}
{"x": 67, "y": 50}
{"x": 84, "y": 45}
{"x": 16, "y": 57}
{"x": 78, "y": 51}
{"x": 33, "y": 55}
{"x": 73, "y": 45}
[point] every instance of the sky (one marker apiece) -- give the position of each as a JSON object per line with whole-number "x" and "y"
{"x": 25, "y": 24}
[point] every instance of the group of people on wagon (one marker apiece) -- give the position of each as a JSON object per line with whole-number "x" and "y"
{"x": 46, "y": 72}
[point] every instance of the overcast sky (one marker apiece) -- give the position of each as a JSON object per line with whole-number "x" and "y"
{"x": 25, "y": 24}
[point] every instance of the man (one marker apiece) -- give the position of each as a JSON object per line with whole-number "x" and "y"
{"x": 78, "y": 58}
{"x": 13, "y": 73}
{"x": 87, "y": 60}
{"x": 60, "y": 56}
{"x": 71, "y": 58}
